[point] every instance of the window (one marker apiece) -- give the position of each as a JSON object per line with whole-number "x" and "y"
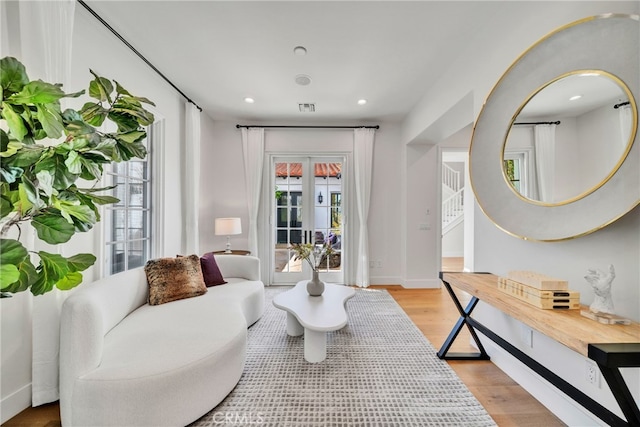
{"x": 512, "y": 167}
{"x": 517, "y": 168}
{"x": 128, "y": 233}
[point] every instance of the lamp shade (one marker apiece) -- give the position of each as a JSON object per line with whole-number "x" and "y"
{"x": 228, "y": 226}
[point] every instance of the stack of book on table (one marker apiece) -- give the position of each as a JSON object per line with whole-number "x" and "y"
{"x": 539, "y": 290}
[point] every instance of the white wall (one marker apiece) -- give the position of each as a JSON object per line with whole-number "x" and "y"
{"x": 476, "y": 71}
{"x": 94, "y": 47}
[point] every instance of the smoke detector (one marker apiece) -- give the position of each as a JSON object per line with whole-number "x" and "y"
{"x": 303, "y": 80}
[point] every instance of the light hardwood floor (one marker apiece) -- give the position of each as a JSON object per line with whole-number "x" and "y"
{"x": 434, "y": 314}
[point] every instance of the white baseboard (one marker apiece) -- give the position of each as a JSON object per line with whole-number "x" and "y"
{"x": 385, "y": 280}
{"x": 16, "y": 402}
{"x": 422, "y": 283}
{"x": 453, "y": 254}
{"x": 562, "y": 406}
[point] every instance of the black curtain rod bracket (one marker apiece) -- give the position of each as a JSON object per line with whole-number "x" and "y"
{"x": 134, "y": 50}
{"x": 536, "y": 123}
{"x": 307, "y": 127}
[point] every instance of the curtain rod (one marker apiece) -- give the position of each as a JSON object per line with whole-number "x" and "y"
{"x": 134, "y": 50}
{"x": 308, "y": 127}
{"x": 622, "y": 104}
{"x": 537, "y": 123}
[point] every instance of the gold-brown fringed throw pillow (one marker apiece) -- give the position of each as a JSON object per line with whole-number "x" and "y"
{"x": 171, "y": 279}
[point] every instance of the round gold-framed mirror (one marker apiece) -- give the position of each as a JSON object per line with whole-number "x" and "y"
{"x": 569, "y": 137}
{"x": 605, "y": 44}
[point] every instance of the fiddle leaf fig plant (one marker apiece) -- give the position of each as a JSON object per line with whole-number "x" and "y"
{"x": 44, "y": 151}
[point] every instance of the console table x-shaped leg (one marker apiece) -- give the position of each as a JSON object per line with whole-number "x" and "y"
{"x": 465, "y": 315}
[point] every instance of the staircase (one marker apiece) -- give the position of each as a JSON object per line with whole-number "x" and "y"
{"x": 452, "y": 199}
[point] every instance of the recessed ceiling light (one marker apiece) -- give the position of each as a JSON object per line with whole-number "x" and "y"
{"x": 362, "y": 101}
{"x": 574, "y": 97}
{"x": 303, "y": 80}
{"x": 300, "y": 50}
{"x": 249, "y": 100}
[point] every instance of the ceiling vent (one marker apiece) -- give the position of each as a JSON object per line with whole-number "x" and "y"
{"x": 307, "y": 108}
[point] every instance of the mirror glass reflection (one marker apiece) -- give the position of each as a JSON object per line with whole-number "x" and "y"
{"x": 569, "y": 137}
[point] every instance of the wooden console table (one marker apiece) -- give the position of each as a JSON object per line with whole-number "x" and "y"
{"x": 611, "y": 346}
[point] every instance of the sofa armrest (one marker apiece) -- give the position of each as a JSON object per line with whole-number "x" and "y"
{"x": 245, "y": 267}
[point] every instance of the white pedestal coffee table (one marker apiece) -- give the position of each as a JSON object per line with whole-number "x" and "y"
{"x": 315, "y": 316}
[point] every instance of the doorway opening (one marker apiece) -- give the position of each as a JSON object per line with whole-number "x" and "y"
{"x": 454, "y": 206}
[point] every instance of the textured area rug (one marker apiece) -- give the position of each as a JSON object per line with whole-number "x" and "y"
{"x": 379, "y": 371}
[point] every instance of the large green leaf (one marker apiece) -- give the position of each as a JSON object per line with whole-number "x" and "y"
{"x": 81, "y": 262}
{"x": 133, "y": 136}
{"x": 142, "y": 116}
{"x": 9, "y": 274}
{"x": 91, "y": 170}
{"x": 77, "y": 128}
{"x": 45, "y": 182}
{"x": 12, "y": 252}
{"x": 51, "y": 269}
{"x": 6, "y": 207}
{"x": 69, "y": 281}
{"x": 73, "y": 163}
{"x": 100, "y": 88}
{"x": 93, "y": 113}
{"x": 50, "y": 120}
{"x": 13, "y": 76}
{"x": 29, "y": 197}
{"x": 27, "y": 155}
{"x": 135, "y": 149}
{"x": 52, "y": 227}
{"x": 27, "y": 277}
{"x": 62, "y": 177}
{"x": 81, "y": 212}
{"x": 102, "y": 200}
{"x": 125, "y": 122}
{"x": 14, "y": 121}
{"x": 37, "y": 92}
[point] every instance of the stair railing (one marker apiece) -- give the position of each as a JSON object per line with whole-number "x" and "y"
{"x": 450, "y": 177}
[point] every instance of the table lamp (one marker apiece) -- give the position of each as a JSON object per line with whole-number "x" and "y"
{"x": 228, "y": 227}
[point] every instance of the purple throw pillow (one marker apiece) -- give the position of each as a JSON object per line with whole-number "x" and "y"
{"x": 210, "y": 270}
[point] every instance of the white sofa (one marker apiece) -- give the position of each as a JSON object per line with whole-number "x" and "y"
{"x": 126, "y": 363}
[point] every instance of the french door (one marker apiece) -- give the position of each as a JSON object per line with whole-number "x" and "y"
{"x": 307, "y": 208}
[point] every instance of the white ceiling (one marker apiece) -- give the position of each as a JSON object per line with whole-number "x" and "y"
{"x": 388, "y": 52}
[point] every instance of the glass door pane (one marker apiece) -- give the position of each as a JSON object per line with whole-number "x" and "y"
{"x": 328, "y": 216}
{"x": 289, "y": 221}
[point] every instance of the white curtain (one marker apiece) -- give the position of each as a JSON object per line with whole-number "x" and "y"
{"x": 363, "y": 163}
{"x": 253, "y": 151}
{"x": 545, "y": 146}
{"x": 46, "y": 32}
{"x": 192, "y": 178}
{"x": 626, "y": 119}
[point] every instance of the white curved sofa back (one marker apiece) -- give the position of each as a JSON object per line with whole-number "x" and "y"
{"x": 87, "y": 315}
{"x": 244, "y": 267}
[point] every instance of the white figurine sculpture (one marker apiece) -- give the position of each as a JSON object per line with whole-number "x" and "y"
{"x": 601, "y": 283}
